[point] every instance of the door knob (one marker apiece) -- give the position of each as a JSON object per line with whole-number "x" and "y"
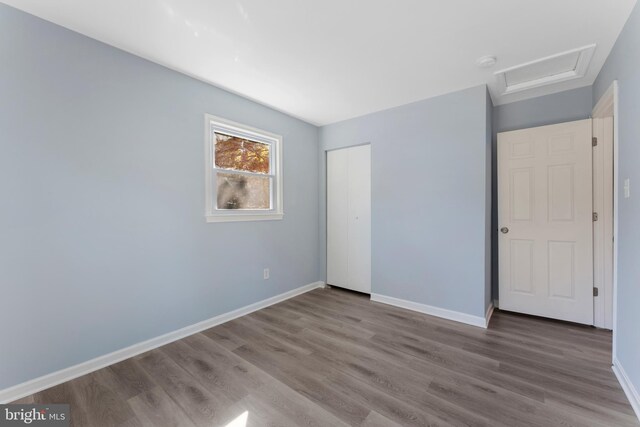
{"x": 504, "y": 230}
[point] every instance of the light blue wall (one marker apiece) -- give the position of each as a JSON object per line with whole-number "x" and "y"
{"x": 570, "y": 105}
{"x": 623, "y": 64}
{"x": 103, "y": 242}
{"x": 575, "y": 104}
{"x": 428, "y": 198}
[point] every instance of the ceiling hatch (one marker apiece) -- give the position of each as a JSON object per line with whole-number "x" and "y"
{"x": 569, "y": 65}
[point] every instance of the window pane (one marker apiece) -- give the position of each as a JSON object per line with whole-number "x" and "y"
{"x": 243, "y": 192}
{"x": 241, "y": 154}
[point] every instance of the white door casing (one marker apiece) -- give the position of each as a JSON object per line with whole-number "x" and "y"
{"x": 349, "y": 218}
{"x": 603, "y": 227}
{"x": 545, "y": 201}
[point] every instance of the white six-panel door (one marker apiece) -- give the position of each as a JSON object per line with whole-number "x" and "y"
{"x": 349, "y": 218}
{"x": 545, "y": 206}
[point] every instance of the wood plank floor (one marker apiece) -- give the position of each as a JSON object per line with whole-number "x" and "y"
{"x": 333, "y": 358}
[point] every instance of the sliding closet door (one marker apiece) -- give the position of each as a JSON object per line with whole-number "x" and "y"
{"x": 338, "y": 218}
{"x": 349, "y": 218}
{"x": 360, "y": 218}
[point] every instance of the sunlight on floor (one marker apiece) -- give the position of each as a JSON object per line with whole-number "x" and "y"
{"x": 241, "y": 421}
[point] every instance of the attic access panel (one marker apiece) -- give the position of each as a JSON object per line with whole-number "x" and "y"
{"x": 558, "y": 68}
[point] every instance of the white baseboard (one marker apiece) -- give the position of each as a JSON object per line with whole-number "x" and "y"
{"x": 488, "y": 314}
{"x": 41, "y": 383}
{"x": 627, "y": 386}
{"x": 469, "y": 319}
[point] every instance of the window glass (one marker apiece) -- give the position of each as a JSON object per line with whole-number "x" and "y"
{"x": 238, "y": 191}
{"x": 236, "y": 153}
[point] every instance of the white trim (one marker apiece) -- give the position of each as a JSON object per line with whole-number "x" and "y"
{"x": 214, "y": 215}
{"x": 627, "y": 386}
{"x": 488, "y": 314}
{"x": 603, "y": 228}
{"x": 605, "y": 107}
{"x": 601, "y": 106}
{"x": 38, "y": 384}
{"x": 456, "y": 316}
{"x": 616, "y": 164}
{"x": 244, "y": 217}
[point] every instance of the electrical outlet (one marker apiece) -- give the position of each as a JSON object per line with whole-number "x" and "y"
{"x": 265, "y": 274}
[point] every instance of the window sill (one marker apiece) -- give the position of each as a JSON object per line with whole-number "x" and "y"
{"x": 245, "y": 217}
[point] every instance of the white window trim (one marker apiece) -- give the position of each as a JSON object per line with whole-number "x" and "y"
{"x": 216, "y": 215}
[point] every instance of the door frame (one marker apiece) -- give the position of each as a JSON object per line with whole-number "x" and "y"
{"x": 607, "y": 106}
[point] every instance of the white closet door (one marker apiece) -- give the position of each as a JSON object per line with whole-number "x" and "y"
{"x": 349, "y": 218}
{"x": 359, "y": 159}
{"x": 337, "y": 218}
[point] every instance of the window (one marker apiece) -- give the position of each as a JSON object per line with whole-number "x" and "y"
{"x": 243, "y": 172}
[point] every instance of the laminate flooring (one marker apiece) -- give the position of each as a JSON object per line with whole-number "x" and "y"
{"x": 332, "y": 357}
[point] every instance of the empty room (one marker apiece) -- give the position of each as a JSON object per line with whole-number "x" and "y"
{"x": 238, "y": 213}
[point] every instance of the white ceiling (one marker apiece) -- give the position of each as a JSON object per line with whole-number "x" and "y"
{"x": 330, "y": 60}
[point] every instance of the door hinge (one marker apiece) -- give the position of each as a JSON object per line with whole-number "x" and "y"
{"x": 595, "y": 216}
{"x": 595, "y": 292}
{"x": 594, "y": 141}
